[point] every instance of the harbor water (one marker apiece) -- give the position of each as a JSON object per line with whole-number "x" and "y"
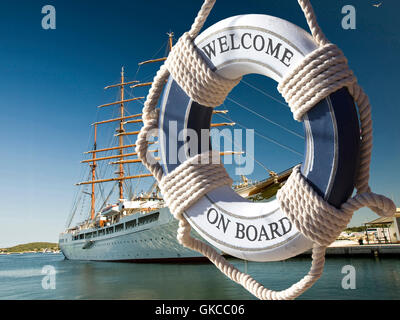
{"x": 50, "y": 276}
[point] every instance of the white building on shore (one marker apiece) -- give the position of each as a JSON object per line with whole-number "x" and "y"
{"x": 385, "y": 230}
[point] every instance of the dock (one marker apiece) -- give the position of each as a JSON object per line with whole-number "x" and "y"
{"x": 392, "y": 250}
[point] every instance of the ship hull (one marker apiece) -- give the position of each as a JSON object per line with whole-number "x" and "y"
{"x": 149, "y": 237}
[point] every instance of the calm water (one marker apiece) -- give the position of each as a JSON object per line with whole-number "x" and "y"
{"x": 21, "y": 278}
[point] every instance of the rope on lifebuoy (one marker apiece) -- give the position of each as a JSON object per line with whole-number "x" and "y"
{"x": 192, "y": 180}
{"x": 322, "y": 72}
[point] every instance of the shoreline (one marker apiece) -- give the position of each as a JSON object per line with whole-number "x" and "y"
{"x": 361, "y": 250}
{"x": 24, "y": 252}
{"x": 336, "y": 249}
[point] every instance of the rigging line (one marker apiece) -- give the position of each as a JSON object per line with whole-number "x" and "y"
{"x": 108, "y": 131}
{"x": 139, "y": 171}
{"x": 74, "y": 205}
{"x": 140, "y": 179}
{"x": 128, "y": 189}
{"x": 105, "y": 168}
{"x": 265, "y": 118}
{"x": 139, "y": 67}
{"x": 128, "y": 183}
{"x": 162, "y": 46}
{"x": 166, "y": 50}
{"x": 109, "y": 195}
{"x": 124, "y": 183}
{"x": 136, "y": 74}
{"x": 134, "y": 96}
{"x": 77, "y": 192}
{"x": 134, "y": 188}
{"x": 264, "y": 137}
{"x": 134, "y": 172}
{"x": 80, "y": 201}
{"x": 101, "y": 189}
{"x": 258, "y": 162}
{"x": 165, "y": 43}
{"x": 264, "y": 93}
{"x": 147, "y": 77}
{"x": 83, "y": 201}
{"x": 73, "y": 212}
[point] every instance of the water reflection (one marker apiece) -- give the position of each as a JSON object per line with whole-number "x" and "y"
{"x": 20, "y": 278}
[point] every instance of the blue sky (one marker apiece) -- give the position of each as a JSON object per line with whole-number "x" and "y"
{"x": 52, "y": 80}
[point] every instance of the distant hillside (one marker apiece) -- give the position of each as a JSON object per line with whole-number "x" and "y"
{"x": 33, "y": 246}
{"x": 356, "y": 229}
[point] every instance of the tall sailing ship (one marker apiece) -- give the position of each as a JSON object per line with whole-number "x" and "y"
{"x": 137, "y": 226}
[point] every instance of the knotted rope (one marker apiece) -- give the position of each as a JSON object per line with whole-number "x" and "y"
{"x": 192, "y": 180}
{"x": 317, "y": 219}
{"x": 194, "y": 76}
{"x": 321, "y": 73}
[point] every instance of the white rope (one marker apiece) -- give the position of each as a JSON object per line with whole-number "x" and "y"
{"x": 192, "y": 180}
{"x": 322, "y": 72}
{"x": 317, "y": 219}
{"x": 194, "y": 76}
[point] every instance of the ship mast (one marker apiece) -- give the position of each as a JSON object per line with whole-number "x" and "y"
{"x": 122, "y": 119}
{"x": 170, "y": 38}
{"x": 121, "y": 137}
{"x": 93, "y": 165}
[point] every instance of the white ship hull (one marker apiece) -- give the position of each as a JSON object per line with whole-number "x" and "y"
{"x": 137, "y": 237}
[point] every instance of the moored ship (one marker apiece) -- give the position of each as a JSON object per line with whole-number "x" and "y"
{"x": 135, "y": 227}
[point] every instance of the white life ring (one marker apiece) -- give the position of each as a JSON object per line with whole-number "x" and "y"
{"x": 272, "y": 47}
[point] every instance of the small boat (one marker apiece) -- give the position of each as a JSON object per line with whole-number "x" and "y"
{"x": 110, "y": 210}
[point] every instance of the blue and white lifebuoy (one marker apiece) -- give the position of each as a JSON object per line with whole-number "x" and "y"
{"x": 272, "y": 47}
